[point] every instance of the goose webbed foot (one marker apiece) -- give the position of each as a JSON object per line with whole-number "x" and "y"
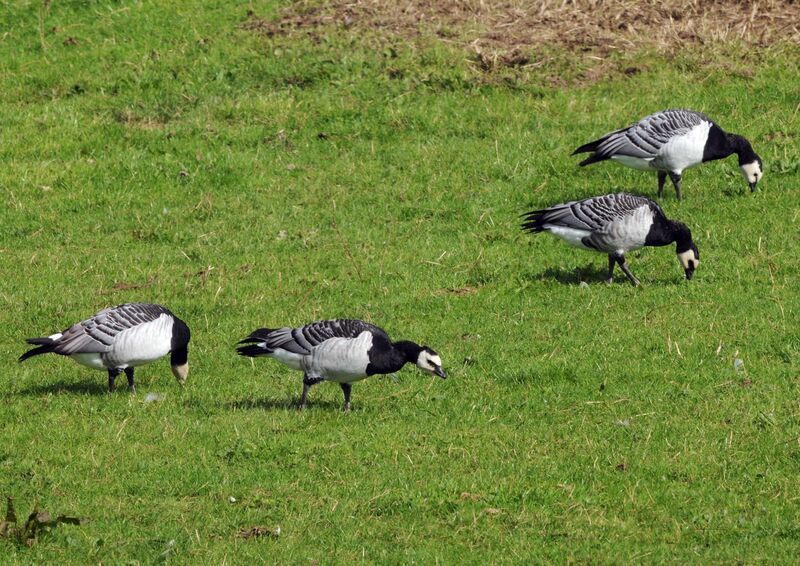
{"x": 346, "y": 388}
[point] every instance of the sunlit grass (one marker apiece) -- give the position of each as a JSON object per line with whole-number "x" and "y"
{"x": 170, "y": 156}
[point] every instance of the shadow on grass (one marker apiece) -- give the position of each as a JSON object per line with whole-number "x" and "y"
{"x": 267, "y": 404}
{"x": 593, "y": 275}
{"x": 76, "y": 388}
{"x": 588, "y": 273}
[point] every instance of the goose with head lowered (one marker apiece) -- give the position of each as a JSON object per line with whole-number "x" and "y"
{"x": 118, "y": 339}
{"x": 343, "y": 351}
{"x": 671, "y": 141}
{"x": 616, "y": 224}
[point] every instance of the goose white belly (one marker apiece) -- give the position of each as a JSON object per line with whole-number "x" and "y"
{"x": 573, "y": 236}
{"x": 141, "y": 344}
{"x": 641, "y": 163}
{"x": 343, "y": 360}
{"x": 90, "y": 360}
{"x": 294, "y": 361}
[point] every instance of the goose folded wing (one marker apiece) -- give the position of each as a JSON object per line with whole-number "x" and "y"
{"x": 303, "y": 340}
{"x": 79, "y": 339}
{"x": 592, "y": 214}
{"x": 645, "y": 138}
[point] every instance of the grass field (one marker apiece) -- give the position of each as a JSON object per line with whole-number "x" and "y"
{"x": 175, "y": 152}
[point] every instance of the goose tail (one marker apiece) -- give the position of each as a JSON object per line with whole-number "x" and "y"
{"x": 45, "y": 346}
{"x": 255, "y": 344}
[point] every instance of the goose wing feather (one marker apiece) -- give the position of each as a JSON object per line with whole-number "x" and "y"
{"x": 645, "y": 138}
{"x": 302, "y": 340}
{"x": 592, "y": 214}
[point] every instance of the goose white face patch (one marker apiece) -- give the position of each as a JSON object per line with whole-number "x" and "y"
{"x": 752, "y": 172}
{"x": 686, "y": 257}
{"x": 429, "y": 362}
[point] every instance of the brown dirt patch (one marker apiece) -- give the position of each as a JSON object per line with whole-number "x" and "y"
{"x": 501, "y": 32}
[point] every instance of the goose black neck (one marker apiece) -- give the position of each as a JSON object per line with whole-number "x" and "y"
{"x": 682, "y": 237}
{"x": 742, "y": 148}
{"x": 180, "y": 334}
{"x": 665, "y": 231}
{"x": 719, "y": 144}
{"x": 179, "y": 357}
{"x": 179, "y": 346}
{"x": 389, "y": 357}
{"x": 409, "y": 350}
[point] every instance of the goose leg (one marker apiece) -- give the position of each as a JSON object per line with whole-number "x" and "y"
{"x": 662, "y": 177}
{"x": 676, "y": 180}
{"x": 112, "y": 375}
{"x": 611, "y": 262}
{"x": 307, "y": 383}
{"x": 624, "y": 266}
{"x": 346, "y": 388}
{"x": 129, "y": 375}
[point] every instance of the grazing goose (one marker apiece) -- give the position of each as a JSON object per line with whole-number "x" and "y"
{"x": 120, "y": 338}
{"x": 616, "y": 224}
{"x": 343, "y": 351}
{"x": 671, "y": 141}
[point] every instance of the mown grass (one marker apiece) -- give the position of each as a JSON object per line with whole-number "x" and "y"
{"x": 168, "y": 155}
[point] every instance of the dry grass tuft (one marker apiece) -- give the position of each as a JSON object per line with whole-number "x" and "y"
{"x": 501, "y": 32}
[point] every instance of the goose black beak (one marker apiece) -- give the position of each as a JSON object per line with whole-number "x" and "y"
{"x": 753, "y": 186}
{"x": 440, "y": 372}
{"x": 689, "y": 273}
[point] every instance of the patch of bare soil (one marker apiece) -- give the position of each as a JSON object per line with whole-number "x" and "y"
{"x": 501, "y": 32}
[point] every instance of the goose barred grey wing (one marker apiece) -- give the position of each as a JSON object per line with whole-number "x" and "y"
{"x": 592, "y": 214}
{"x": 302, "y": 340}
{"x": 645, "y": 138}
{"x": 96, "y": 334}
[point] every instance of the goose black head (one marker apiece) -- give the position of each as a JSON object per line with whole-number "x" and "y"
{"x": 179, "y": 352}
{"x": 430, "y": 362}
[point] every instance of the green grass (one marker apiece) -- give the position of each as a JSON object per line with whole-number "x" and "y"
{"x": 245, "y": 181}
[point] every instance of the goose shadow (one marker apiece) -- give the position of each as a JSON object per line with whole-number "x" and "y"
{"x": 588, "y": 273}
{"x": 592, "y": 275}
{"x": 68, "y": 387}
{"x": 270, "y": 404}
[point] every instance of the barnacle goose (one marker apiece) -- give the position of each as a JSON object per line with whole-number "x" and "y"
{"x": 671, "y": 141}
{"x": 616, "y": 224}
{"x": 120, "y": 338}
{"x": 343, "y": 351}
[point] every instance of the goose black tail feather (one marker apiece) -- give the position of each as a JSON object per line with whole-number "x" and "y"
{"x": 535, "y": 221}
{"x": 591, "y": 146}
{"x": 46, "y": 346}
{"x": 253, "y": 348}
{"x": 594, "y": 158}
